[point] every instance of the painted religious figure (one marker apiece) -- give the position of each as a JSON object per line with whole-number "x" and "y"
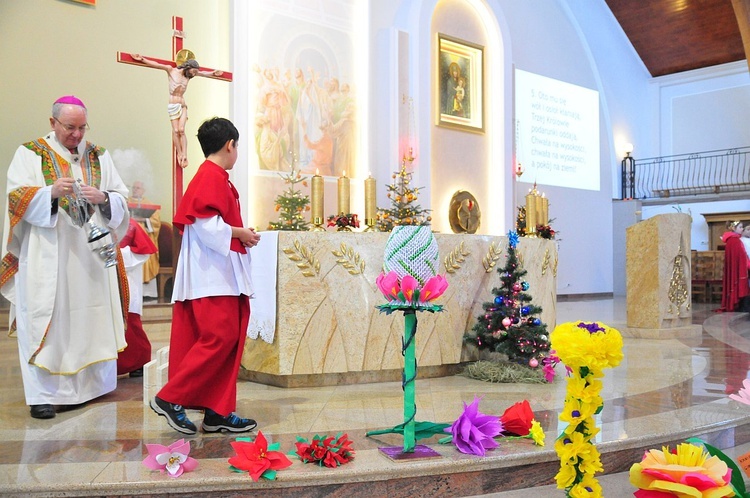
{"x": 304, "y": 119}
{"x": 177, "y": 108}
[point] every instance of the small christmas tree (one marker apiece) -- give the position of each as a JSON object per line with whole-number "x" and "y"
{"x": 403, "y": 210}
{"x": 291, "y": 204}
{"x": 510, "y": 324}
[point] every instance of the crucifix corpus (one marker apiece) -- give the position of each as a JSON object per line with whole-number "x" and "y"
{"x": 179, "y": 71}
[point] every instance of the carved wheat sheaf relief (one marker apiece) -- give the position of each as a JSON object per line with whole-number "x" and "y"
{"x": 350, "y": 260}
{"x": 490, "y": 259}
{"x": 304, "y": 258}
{"x": 453, "y": 260}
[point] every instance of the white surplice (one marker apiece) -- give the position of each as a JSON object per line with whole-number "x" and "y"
{"x": 66, "y": 304}
{"x": 207, "y": 267}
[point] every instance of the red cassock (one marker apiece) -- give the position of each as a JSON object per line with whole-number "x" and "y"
{"x": 735, "y": 282}
{"x": 208, "y": 334}
{"x": 138, "y": 351}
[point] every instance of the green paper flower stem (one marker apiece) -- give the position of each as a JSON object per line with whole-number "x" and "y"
{"x": 408, "y": 350}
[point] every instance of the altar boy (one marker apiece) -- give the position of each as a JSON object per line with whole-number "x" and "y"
{"x": 212, "y": 289}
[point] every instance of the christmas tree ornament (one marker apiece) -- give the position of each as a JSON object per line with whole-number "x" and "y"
{"x": 533, "y": 363}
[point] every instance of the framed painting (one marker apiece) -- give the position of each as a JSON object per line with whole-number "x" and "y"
{"x": 460, "y": 76}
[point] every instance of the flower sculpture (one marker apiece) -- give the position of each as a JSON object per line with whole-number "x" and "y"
{"x": 258, "y": 458}
{"x": 325, "y": 451}
{"x": 173, "y": 459}
{"x": 409, "y": 283}
{"x": 689, "y": 470}
{"x": 474, "y": 432}
{"x": 743, "y": 395}
{"x": 587, "y": 349}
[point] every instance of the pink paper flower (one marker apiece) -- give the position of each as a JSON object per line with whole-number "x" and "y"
{"x": 172, "y": 459}
{"x": 743, "y": 395}
{"x": 433, "y": 288}
{"x": 409, "y": 284}
{"x": 474, "y": 432}
{"x": 388, "y": 285}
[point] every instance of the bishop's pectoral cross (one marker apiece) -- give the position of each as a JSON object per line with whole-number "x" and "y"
{"x": 176, "y": 90}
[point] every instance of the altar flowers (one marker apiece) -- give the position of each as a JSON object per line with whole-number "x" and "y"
{"x": 258, "y": 458}
{"x": 173, "y": 459}
{"x": 587, "y": 349}
{"x": 474, "y": 432}
{"x": 687, "y": 471}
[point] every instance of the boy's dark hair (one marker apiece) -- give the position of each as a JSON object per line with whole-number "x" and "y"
{"x": 214, "y": 133}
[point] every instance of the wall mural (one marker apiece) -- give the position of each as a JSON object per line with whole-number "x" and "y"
{"x": 305, "y": 109}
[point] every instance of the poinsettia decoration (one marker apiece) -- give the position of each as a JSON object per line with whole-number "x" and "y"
{"x": 173, "y": 459}
{"x": 258, "y": 458}
{"x": 343, "y": 221}
{"x": 329, "y": 451}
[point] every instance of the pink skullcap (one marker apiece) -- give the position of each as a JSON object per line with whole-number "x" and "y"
{"x": 70, "y": 99}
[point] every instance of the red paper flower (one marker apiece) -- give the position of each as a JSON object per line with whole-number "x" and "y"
{"x": 517, "y": 418}
{"x": 256, "y": 458}
{"x": 325, "y": 451}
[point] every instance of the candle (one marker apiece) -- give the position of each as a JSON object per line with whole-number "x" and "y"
{"x": 344, "y": 189}
{"x": 530, "y": 212}
{"x": 317, "y": 199}
{"x": 538, "y": 203}
{"x": 370, "y": 199}
{"x": 545, "y": 210}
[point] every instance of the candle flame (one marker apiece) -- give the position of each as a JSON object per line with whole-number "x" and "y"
{"x": 344, "y": 175}
{"x": 317, "y": 172}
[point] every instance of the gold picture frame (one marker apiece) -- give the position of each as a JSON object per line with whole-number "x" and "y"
{"x": 460, "y": 84}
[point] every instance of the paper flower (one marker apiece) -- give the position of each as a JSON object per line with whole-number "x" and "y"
{"x": 474, "y": 432}
{"x": 586, "y": 349}
{"x": 517, "y": 419}
{"x": 329, "y": 451}
{"x": 537, "y": 433}
{"x": 172, "y": 459}
{"x": 743, "y": 395}
{"x": 593, "y": 345}
{"x": 407, "y": 291}
{"x": 548, "y": 365}
{"x": 258, "y": 458}
{"x": 688, "y": 471}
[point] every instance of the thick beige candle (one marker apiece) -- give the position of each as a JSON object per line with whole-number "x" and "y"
{"x": 530, "y": 213}
{"x": 317, "y": 199}
{"x": 370, "y": 199}
{"x": 545, "y": 210}
{"x": 344, "y": 190}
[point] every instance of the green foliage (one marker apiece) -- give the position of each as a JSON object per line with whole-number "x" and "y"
{"x": 524, "y": 336}
{"x": 291, "y": 204}
{"x": 403, "y": 210}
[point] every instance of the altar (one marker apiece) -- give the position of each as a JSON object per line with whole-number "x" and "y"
{"x": 314, "y": 318}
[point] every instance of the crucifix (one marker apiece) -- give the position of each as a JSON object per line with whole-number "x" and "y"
{"x": 179, "y": 71}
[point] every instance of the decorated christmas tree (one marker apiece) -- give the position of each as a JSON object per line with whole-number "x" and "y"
{"x": 291, "y": 204}
{"x": 403, "y": 210}
{"x": 510, "y": 323}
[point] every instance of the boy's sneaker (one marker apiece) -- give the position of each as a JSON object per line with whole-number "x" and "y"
{"x": 175, "y": 415}
{"x": 213, "y": 422}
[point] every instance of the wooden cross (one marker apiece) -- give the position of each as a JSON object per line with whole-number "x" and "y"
{"x": 177, "y": 38}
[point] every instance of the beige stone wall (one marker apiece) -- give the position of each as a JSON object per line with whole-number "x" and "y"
{"x": 327, "y": 322}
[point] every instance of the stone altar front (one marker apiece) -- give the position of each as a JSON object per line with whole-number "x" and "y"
{"x": 328, "y": 331}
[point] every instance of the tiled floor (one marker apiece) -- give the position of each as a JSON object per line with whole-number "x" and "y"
{"x": 663, "y": 388}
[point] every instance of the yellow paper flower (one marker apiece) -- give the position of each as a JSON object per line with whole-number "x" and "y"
{"x": 690, "y": 471}
{"x": 537, "y": 433}
{"x": 587, "y": 488}
{"x": 566, "y": 476}
{"x": 593, "y": 345}
{"x": 570, "y": 447}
